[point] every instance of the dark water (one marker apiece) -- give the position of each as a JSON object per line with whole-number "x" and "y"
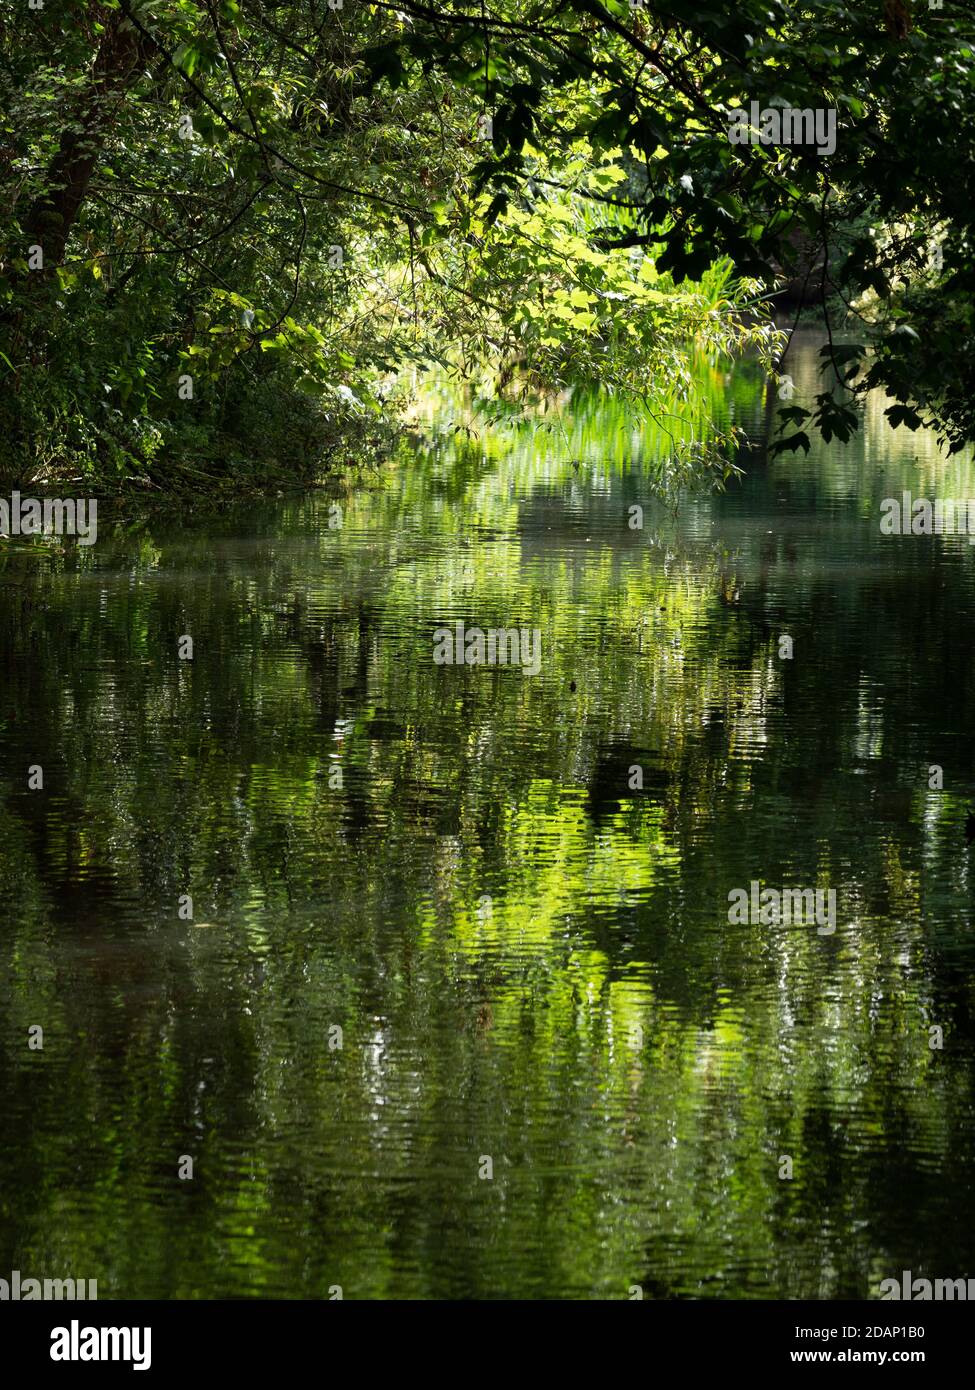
{"x": 529, "y": 960}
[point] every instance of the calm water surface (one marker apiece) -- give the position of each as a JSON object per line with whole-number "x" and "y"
{"x": 530, "y": 961}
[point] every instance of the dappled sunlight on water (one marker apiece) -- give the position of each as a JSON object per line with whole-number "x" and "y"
{"x": 525, "y": 944}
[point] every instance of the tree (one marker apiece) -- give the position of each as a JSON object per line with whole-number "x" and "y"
{"x": 273, "y": 203}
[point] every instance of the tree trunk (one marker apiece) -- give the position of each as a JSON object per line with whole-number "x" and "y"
{"x": 49, "y": 222}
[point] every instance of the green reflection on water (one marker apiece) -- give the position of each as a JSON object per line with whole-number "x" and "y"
{"x": 529, "y": 958}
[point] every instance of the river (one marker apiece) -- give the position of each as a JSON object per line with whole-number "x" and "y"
{"x": 459, "y": 1011}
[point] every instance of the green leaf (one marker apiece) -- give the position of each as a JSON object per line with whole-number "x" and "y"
{"x": 903, "y": 415}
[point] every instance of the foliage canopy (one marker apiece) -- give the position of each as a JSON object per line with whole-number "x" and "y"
{"x": 251, "y": 213}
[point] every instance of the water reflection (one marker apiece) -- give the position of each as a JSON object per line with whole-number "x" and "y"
{"x": 529, "y": 958}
